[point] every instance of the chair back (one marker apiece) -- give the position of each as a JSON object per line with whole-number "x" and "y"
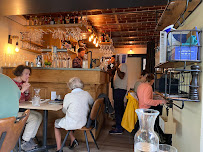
{"x": 96, "y": 108}
{"x": 10, "y": 130}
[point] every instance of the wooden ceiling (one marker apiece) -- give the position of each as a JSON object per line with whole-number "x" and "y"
{"x": 128, "y": 27}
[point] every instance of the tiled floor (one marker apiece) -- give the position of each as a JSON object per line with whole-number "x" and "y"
{"x": 106, "y": 142}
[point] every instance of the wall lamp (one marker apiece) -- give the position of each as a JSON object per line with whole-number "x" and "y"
{"x": 10, "y": 37}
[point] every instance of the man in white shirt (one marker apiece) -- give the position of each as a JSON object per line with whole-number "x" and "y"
{"x": 120, "y": 89}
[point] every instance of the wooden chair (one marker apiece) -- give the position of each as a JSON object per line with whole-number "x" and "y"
{"x": 10, "y": 130}
{"x": 95, "y": 111}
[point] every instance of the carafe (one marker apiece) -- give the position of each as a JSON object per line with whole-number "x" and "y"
{"x": 36, "y": 98}
{"x": 145, "y": 139}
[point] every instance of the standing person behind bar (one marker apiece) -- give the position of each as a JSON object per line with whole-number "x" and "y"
{"x": 76, "y": 106}
{"x": 77, "y": 62}
{"x": 111, "y": 69}
{"x": 142, "y": 79}
{"x": 120, "y": 89}
{"x": 34, "y": 120}
{"x": 9, "y": 95}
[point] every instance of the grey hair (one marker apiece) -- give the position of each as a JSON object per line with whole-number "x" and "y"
{"x": 74, "y": 83}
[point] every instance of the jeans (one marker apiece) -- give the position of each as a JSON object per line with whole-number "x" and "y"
{"x": 118, "y": 96}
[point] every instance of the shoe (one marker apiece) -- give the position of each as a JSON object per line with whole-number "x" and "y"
{"x": 116, "y": 132}
{"x": 59, "y": 150}
{"x": 27, "y": 145}
{"x": 33, "y": 142}
{"x": 113, "y": 126}
{"x": 74, "y": 144}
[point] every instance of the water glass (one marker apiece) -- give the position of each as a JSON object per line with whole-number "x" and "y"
{"x": 36, "y": 101}
{"x": 166, "y": 148}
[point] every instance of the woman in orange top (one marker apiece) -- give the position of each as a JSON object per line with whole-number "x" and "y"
{"x": 145, "y": 94}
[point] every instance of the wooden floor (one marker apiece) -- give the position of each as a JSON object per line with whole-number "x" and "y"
{"x": 106, "y": 142}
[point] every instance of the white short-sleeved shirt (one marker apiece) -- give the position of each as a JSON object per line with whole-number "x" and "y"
{"x": 118, "y": 82}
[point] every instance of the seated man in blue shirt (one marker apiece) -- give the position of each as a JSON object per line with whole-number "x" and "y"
{"x": 9, "y": 97}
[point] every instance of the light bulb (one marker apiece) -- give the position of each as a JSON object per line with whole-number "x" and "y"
{"x": 17, "y": 48}
{"x": 97, "y": 44}
{"x": 90, "y": 39}
{"x": 95, "y": 40}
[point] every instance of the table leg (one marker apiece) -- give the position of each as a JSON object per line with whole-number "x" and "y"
{"x": 44, "y": 147}
{"x": 45, "y": 122}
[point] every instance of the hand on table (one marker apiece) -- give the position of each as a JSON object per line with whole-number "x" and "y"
{"x": 164, "y": 101}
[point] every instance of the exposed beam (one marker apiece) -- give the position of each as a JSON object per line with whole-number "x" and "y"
{"x": 130, "y": 12}
{"x": 137, "y": 31}
{"x": 133, "y": 37}
{"x": 128, "y": 23}
{"x": 142, "y": 43}
{"x": 131, "y": 42}
{"x": 130, "y": 46}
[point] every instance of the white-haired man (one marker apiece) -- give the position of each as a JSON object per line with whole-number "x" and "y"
{"x": 77, "y": 100}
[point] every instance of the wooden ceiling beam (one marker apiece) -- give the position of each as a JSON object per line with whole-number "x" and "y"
{"x": 132, "y": 41}
{"x": 131, "y": 12}
{"x": 128, "y": 23}
{"x": 130, "y": 46}
{"x": 138, "y": 31}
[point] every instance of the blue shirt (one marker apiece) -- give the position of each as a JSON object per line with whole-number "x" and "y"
{"x": 9, "y": 97}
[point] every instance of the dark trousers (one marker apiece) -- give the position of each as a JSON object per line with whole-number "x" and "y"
{"x": 118, "y": 97}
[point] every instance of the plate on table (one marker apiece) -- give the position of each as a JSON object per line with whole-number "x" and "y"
{"x": 55, "y": 102}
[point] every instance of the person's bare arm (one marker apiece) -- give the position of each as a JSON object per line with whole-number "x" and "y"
{"x": 120, "y": 74}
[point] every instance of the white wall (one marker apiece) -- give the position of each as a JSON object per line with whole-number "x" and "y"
{"x": 133, "y": 63}
{"x": 7, "y": 51}
{"x": 134, "y": 70}
{"x": 189, "y": 136}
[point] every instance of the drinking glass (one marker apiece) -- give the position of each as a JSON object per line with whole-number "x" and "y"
{"x": 36, "y": 98}
{"x": 167, "y": 148}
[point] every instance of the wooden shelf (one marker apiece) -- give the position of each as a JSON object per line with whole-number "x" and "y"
{"x": 56, "y": 26}
{"x": 28, "y": 41}
{"x": 33, "y": 51}
{"x": 182, "y": 99}
{"x": 173, "y": 11}
{"x": 175, "y": 98}
{"x": 175, "y": 64}
{"x": 105, "y": 43}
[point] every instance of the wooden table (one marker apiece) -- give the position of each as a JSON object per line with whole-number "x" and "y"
{"x": 45, "y": 107}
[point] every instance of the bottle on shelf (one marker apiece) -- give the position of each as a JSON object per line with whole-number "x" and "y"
{"x": 49, "y": 19}
{"x": 52, "y": 21}
{"x": 67, "y": 19}
{"x": 76, "y": 18}
{"x": 72, "y": 20}
{"x": 80, "y": 20}
{"x": 30, "y": 21}
{"x": 107, "y": 38}
{"x": 45, "y": 20}
{"x": 35, "y": 20}
{"x": 64, "y": 20}
{"x": 103, "y": 37}
{"x": 41, "y": 20}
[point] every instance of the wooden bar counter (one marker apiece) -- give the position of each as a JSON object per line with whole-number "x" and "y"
{"x": 55, "y": 79}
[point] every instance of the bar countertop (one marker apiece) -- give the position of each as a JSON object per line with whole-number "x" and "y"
{"x": 74, "y": 69}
